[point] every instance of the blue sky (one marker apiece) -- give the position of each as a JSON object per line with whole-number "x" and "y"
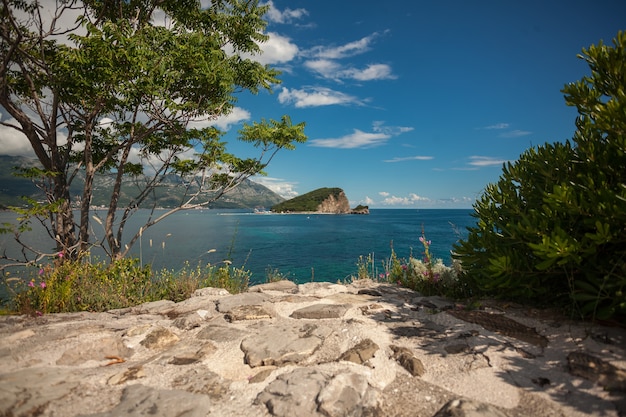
{"x": 416, "y": 104}
{"x": 413, "y": 104}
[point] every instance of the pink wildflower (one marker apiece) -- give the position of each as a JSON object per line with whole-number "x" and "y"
{"x": 42, "y": 284}
{"x": 31, "y": 284}
{"x": 41, "y": 271}
{"x": 60, "y": 254}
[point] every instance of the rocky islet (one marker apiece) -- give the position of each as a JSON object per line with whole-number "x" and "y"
{"x": 316, "y": 349}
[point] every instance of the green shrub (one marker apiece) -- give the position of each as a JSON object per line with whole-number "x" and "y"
{"x": 552, "y": 230}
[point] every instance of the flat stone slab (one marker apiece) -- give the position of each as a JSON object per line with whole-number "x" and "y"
{"x": 226, "y": 304}
{"x": 247, "y": 312}
{"x": 218, "y": 333}
{"x": 139, "y": 401}
{"x": 25, "y": 391}
{"x": 321, "y": 311}
{"x": 282, "y": 286}
{"x": 283, "y": 343}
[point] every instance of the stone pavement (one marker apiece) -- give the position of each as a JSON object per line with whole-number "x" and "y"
{"x": 317, "y": 349}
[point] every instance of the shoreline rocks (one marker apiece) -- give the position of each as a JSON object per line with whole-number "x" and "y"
{"x": 316, "y": 349}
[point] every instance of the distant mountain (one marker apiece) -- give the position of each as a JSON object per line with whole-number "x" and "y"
{"x": 248, "y": 194}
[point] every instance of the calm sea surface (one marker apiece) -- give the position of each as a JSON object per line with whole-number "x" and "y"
{"x": 300, "y": 246}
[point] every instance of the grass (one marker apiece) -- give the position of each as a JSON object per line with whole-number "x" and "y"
{"x": 67, "y": 286}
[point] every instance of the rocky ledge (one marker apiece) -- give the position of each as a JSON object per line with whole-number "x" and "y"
{"x": 317, "y": 349}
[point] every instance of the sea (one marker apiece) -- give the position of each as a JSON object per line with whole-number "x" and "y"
{"x": 300, "y": 247}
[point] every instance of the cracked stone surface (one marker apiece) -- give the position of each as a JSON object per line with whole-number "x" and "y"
{"x": 315, "y": 349}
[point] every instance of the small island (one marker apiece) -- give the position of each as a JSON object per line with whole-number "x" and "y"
{"x": 322, "y": 200}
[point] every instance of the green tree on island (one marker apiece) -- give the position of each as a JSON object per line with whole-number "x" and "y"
{"x": 129, "y": 91}
{"x": 553, "y": 228}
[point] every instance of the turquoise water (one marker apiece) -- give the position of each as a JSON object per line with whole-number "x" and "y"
{"x": 299, "y": 246}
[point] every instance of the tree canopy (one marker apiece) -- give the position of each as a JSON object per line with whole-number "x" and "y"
{"x": 130, "y": 90}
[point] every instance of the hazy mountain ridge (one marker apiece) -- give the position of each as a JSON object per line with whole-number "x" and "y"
{"x": 248, "y": 194}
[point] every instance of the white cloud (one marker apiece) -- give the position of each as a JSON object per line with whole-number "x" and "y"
{"x": 277, "y": 49}
{"x": 368, "y": 201}
{"x": 409, "y": 158}
{"x": 359, "y": 139}
{"x": 323, "y": 61}
{"x": 515, "y": 134}
{"x": 334, "y": 71}
{"x": 314, "y": 96}
{"x": 371, "y": 72}
{"x": 286, "y": 16}
{"x": 281, "y": 187}
{"x": 325, "y": 67}
{"x": 12, "y": 141}
{"x": 411, "y": 200}
{"x": 486, "y": 161}
{"x": 383, "y": 194}
{"x": 224, "y": 122}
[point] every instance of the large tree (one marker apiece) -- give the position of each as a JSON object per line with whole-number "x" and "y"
{"x": 123, "y": 93}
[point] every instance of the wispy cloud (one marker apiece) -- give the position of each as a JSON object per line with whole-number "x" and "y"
{"x": 379, "y": 126}
{"x": 343, "y": 51}
{"x": 314, "y": 97}
{"x": 324, "y": 61}
{"x": 515, "y": 134}
{"x": 509, "y": 133}
{"x": 486, "y": 161}
{"x": 358, "y": 139}
{"x": 409, "y": 158}
{"x": 285, "y": 16}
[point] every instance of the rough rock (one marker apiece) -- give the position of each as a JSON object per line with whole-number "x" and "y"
{"x": 315, "y": 349}
{"x": 408, "y": 361}
{"x": 335, "y": 205}
{"x": 159, "y": 339}
{"x": 468, "y": 408}
{"x": 361, "y": 353}
{"x": 313, "y": 393}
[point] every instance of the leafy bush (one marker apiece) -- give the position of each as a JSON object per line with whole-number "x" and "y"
{"x": 553, "y": 228}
